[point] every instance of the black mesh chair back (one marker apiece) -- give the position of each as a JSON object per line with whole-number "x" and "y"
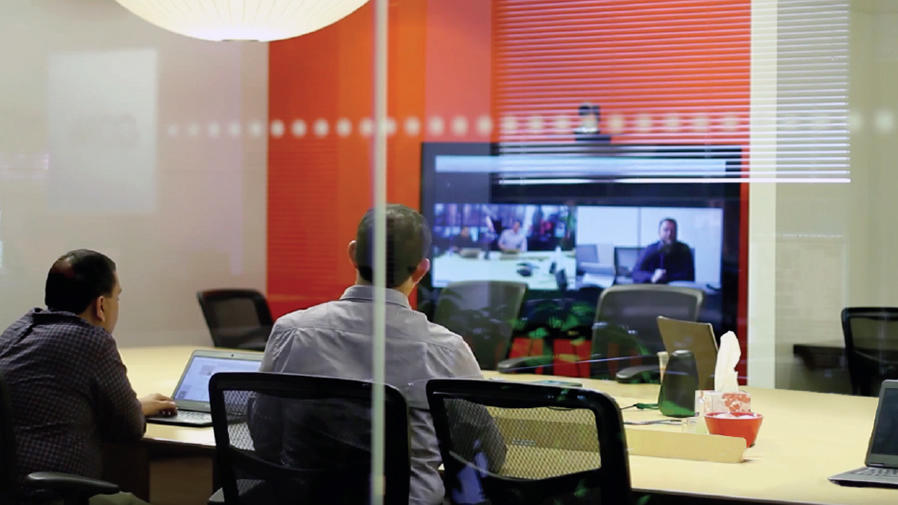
{"x": 237, "y": 318}
{"x": 562, "y": 446}
{"x": 483, "y": 313}
{"x": 871, "y": 346}
{"x": 296, "y": 439}
{"x": 636, "y": 307}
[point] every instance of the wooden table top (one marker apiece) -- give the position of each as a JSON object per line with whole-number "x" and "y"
{"x": 805, "y": 437}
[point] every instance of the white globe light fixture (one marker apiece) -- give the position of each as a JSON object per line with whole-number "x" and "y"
{"x": 261, "y": 20}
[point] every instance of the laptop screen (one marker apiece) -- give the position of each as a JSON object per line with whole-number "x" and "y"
{"x": 884, "y": 441}
{"x": 194, "y": 385}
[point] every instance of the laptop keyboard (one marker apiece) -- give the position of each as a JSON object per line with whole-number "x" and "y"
{"x": 879, "y": 472}
{"x": 188, "y": 415}
{"x": 192, "y": 414}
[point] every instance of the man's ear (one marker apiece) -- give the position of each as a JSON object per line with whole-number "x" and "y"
{"x": 350, "y": 249}
{"x": 99, "y": 309}
{"x": 421, "y": 270}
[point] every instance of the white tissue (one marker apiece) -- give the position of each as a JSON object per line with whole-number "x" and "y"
{"x": 725, "y": 369}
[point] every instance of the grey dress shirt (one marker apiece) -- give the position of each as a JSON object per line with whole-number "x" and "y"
{"x": 334, "y": 339}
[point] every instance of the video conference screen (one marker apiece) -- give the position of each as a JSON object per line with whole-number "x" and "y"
{"x": 571, "y": 216}
{"x": 512, "y": 242}
{"x": 594, "y": 245}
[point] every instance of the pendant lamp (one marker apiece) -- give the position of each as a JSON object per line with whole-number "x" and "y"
{"x": 261, "y": 20}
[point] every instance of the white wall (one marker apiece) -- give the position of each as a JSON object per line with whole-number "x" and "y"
{"x": 835, "y": 242}
{"x": 148, "y": 146}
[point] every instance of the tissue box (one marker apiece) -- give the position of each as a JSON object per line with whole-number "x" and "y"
{"x": 707, "y": 401}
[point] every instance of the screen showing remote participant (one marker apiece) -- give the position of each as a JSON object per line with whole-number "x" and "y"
{"x": 584, "y": 216}
{"x": 649, "y": 244}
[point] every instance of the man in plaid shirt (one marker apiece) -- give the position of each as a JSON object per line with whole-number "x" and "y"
{"x": 69, "y": 392}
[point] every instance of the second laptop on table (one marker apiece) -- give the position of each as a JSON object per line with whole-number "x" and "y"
{"x": 881, "y": 465}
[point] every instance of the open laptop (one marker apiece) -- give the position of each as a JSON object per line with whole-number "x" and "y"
{"x": 695, "y": 337}
{"x": 881, "y": 468}
{"x": 192, "y": 392}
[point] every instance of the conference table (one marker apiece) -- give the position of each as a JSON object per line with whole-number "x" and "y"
{"x": 805, "y": 437}
{"x": 532, "y": 267}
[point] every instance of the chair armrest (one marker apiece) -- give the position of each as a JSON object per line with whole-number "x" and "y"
{"x": 638, "y": 373}
{"x": 525, "y": 364}
{"x": 67, "y": 483}
{"x": 630, "y": 369}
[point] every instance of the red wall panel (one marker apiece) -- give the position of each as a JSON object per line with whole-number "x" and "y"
{"x": 318, "y": 187}
{"x": 673, "y": 71}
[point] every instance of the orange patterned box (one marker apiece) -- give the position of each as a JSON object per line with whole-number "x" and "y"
{"x": 707, "y": 401}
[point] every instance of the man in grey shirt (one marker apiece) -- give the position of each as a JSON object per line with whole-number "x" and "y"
{"x": 335, "y": 339}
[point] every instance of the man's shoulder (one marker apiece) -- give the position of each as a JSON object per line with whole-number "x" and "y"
{"x": 683, "y": 247}
{"x": 19, "y": 324}
{"x": 306, "y": 316}
{"x": 54, "y": 323}
{"x": 650, "y": 249}
{"x": 654, "y": 246}
{"x": 442, "y": 337}
{"x": 61, "y": 334}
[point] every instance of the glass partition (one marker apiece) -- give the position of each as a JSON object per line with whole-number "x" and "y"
{"x": 739, "y": 149}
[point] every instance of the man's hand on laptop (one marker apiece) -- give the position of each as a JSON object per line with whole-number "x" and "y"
{"x": 158, "y": 404}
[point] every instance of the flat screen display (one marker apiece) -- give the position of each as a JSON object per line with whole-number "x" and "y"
{"x": 584, "y": 215}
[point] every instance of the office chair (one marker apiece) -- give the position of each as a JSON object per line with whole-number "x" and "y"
{"x": 562, "y": 445}
{"x": 287, "y": 438}
{"x": 625, "y": 336}
{"x": 637, "y": 307}
{"x": 633, "y": 310}
{"x": 483, "y": 313}
{"x": 237, "y": 318}
{"x": 871, "y": 346}
{"x": 73, "y": 489}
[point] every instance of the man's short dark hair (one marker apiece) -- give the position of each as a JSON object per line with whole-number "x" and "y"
{"x": 408, "y": 240}
{"x": 666, "y": 219}
{"x": 77, "y": 278}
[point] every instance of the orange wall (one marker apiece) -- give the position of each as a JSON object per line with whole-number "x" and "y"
{"x": 318, "y": 187}
{"x": 656, "y": 66}
{"x": 449, "y": 60}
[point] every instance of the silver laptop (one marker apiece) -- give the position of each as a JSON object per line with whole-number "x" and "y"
{"x": 192, "y": 392}
{"x": 881, "y": 468}
{"x": 695, "y": 337}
